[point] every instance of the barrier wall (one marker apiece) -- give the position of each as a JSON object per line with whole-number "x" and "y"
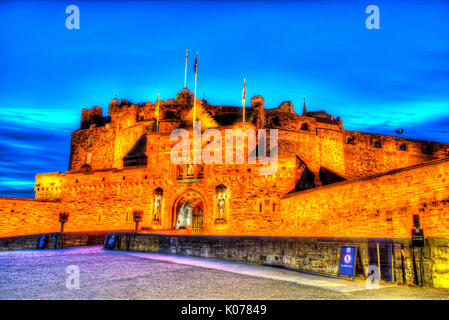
{"x": 27, "y": 216}
{"x": 54, "y": 240}
{"x": 378, "y": 206}
{"x": 313, "y": 254}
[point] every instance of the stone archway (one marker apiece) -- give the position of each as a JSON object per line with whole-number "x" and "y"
{"x": 188, "y": 211}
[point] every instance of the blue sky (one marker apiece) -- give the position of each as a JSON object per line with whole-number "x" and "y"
{"x": 376, "y": 80}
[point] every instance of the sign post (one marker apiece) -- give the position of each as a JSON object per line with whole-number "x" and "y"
{"x": 41, "y": 242}
{"x": 346, "y": 266}
{"x": 418, "y": 241}
{"x": 418, "y": 238}
{"x": 110, "y": 242}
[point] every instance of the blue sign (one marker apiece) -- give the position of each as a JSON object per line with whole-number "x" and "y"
{"x": 347, "y": 261}
{"x": 42, "y": 241}
{"x": 111, "y": 241}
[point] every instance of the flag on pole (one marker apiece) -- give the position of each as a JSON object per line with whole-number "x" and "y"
{"x": 195, "y": 67}
{"x": 243, "y": 94}
{"x": 157, "y": 112}
{"x": 157, "y": 105}
{"x": 194, "y": 95}
{"x": 185, "y": 74}
{"x": 243, "y": 98}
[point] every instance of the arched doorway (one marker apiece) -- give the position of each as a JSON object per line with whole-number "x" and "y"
{"x": 188, "y": 211}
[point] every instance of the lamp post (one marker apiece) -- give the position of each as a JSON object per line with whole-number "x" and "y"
{"x": 63, "y": 216}
{"x": 137, "y": 217}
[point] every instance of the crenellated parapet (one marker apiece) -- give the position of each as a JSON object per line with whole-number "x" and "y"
{"x": 93, "y": 117}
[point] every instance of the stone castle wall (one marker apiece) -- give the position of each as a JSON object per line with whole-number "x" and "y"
{"x": 317, "y": 144}
{"x": 107, "y": 199}
{"x": 27, "y": 216}
{"x": 104, "y": 196}
{"x": 379, "y": 206}
{"x": 362, "y": 158}
{"x": 99, "y": 142}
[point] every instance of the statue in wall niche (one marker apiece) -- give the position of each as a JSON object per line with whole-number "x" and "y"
{"x": 190, "y": 170}
{"x": 157, "y": 207}
{"x": 157, "y": 204}
{"x": 221, "y": 204}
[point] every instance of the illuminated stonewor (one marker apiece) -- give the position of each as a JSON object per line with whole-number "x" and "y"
{"x": 327, "y": 178}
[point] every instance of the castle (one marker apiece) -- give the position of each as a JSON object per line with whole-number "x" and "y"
{"x": 329, "y": 181}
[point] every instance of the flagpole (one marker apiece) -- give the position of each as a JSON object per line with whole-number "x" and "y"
{"x": 185, "y": 74}
{"x": 194, "y": 96}
{"x": 157, "y": 120}
{"x": 243, "y": 98}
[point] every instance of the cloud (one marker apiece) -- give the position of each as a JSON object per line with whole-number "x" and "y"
{"x": 30, "y": 143}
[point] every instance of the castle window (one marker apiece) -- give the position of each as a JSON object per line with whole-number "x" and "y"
{"x": 140, "y": 117}
{"x": 91, "y": 141}
{"x": 89, "y": 158}
{"x": 170, "y": 115}
{"x": 377, "y": 144}
{"x": 350, "y": 141}
{"x": 200, "y": 172}
{"x": 179, "y": 172}
{"x": 402, "y": 147}
{"x": 305, "y": 126}
{"x": 189, "y": 172}
{"x": 426, "y": 150}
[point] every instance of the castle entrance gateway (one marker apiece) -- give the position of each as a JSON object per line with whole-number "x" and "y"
{"x": 188, "y": 212}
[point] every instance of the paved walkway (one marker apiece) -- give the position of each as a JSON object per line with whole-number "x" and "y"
{"x": 267, "y": 272}
{"x": 104, "y": 274}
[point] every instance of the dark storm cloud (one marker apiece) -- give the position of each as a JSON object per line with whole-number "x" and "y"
{"x": 27, "y": 149}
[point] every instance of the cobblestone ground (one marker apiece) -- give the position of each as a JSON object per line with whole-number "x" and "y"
{"x": 103, "y": 275}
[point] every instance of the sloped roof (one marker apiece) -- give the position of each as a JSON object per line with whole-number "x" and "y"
{"x": 226, "y": 119}
{"x": 139, "y": 148}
